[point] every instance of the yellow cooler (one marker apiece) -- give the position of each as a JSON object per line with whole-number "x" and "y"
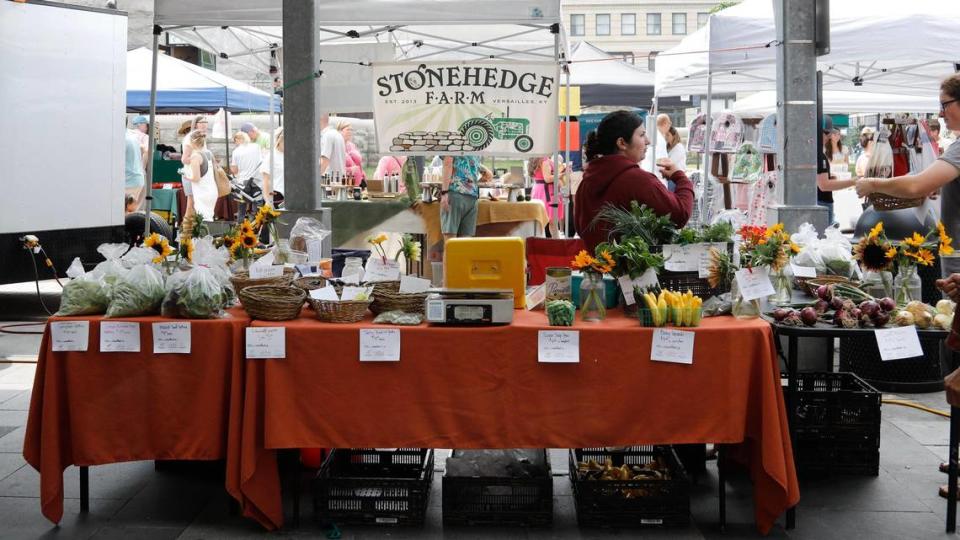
{"x": 487, "y": 263}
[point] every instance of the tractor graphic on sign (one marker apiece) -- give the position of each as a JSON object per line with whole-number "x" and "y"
{"x": 481, "y": 131}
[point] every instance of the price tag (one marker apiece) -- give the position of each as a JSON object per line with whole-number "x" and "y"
{"x": 314, "y": 250}
{"x": 352, "y": 293}
{"x": 261, "y": 271}
{"x": 378, "y": 270}
{"x": 682, "y": 258}
{"x": 379, "y": 345}
{"x": 119, "y": 336}
{"x": 626, "y": 285}
{"x": 325, "y": 293}
{"x": 70, "y": 335}
{"x": 536, "y": 295}
{"x": 558, "y": 346}
{"x": 898, "y": 343}
{"x": 171, "y": 338}
{"x": 754, "y": 283}
{"x": 803, "y": 271}
{"x": 648, "y": 279}
{"x": 266, "y": 342}
{"x": 413, "y": 285}
{"x": 674, "y": 346}
{"x": 703, "y": 267}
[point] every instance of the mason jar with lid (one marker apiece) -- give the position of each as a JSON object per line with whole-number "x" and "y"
{"x": 558, "y": 283}
{"x": 351, "y": 266}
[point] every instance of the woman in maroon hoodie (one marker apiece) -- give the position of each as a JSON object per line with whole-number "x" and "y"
{"x": 612, "y": 175}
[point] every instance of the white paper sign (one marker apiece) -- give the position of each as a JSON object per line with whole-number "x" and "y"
{"x": 897, "y": 343}
{"x": 119, "y": 336}
{"x": 266, "y": 342}
{"x": 754, "y": 283}
{"x": 314, "y": 250}
{"x": 379, "y": 345}
{"x": 260, "y": 271}
{"x": 413, "y": 285}
{"x": 626, "y": 285}
{"x": 648, "y": 279}
{"x": 377, "y": 270}
{"x": 70, "y": 335}
{"x": 672, "y": 346}
{"x": 682, "y": 258}
{"x": 703, "y": 268}
{"x": 351, "y": 293}
{"x": 171, "y": 338}
{"x": 325, "y": 293}
{"x": 558, "y": 346}
{"x": 803, "y": 271}
{"x": 536, "y": 295}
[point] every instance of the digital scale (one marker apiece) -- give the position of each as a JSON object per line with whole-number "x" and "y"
{"x": 470, "y": 306}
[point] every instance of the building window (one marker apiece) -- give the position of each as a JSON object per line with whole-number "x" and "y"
{"x": 702, "y": 19}
{"x": 653, "y": 24}
{"x": 578, "y": 25}
{"x": 652, "y": 60}
{"x": 679, "y": 24}
{"x": 628, "y": 24}
{"x": 603, "y": 24}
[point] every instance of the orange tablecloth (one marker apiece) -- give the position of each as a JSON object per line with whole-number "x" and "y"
{"x": 92, "y": 408}
{"x": 483, "y": 388}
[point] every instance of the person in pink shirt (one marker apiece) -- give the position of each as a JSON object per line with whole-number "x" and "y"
{"x": 544, "y": 189}
{"x": 354, "y": 158}
{"x": 389, "y": 165}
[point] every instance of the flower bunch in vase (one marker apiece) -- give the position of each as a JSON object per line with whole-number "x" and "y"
{"x": 242, "y": 241}
{"x": 911, "y": 252}
{"x": 410, "y": 249}
{"x": 376, "y": 242}
{"x": 770, "y": 247}
{"x": 592, "y": 292}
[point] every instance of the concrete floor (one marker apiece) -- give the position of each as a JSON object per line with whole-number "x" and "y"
{"x": 135, "y": 500}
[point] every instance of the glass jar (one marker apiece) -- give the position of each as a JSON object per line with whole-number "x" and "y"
{"x": 782, "y": 288}
{"x": 878, "y": 284}
{"x": 592, "y": 293}
{"x": 743, "y": 309}
{"x": 351, "y": 266}
{"x": 907, "y": 285}
{"x": 558, "y": 283}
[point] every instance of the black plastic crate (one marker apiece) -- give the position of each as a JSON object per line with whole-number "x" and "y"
{"x": 485, "y": 500}
{"x": 371, "y": 486}
{"x": 683, "y": 281}
{"x": 837, "y": 425}
{"x": 631, "y": 503}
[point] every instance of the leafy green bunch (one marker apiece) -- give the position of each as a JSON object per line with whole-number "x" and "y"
{"x": 639, "y": 221}
{"x": 633, "y": 256}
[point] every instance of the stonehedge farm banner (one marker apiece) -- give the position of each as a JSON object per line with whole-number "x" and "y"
{"x": 481, "y": 108}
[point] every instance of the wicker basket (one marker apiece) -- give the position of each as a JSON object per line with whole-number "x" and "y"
{"x": 395, "y": 301}
{"x": 241, "y": 280}
{"x": 350, "y": 311}
{"x": 310, "y": 283}
{"x": 886, "y": 203}
{"x": 810, "y": 285}
{"x": 272, "y": 302}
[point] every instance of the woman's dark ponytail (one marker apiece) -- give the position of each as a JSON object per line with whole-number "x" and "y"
{"x": 590, "y": 149}
{"x": 616, "y": 125}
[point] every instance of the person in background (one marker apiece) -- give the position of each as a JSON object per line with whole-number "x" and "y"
{"x": 459, "y": 193}
{"x": 943, "y": 174}
{"x": 676, "y": 151}
{"x": 140, "y": 129}
{"x": 257, "y": 137}
{"x": 867, "y": 135}
{"x": 389, "y": 165}
{"x": 354, "y": 160}
{"x": 129, "y": 204}
{"x": 935, "y": 133}
{"x": 133, "y": 171}
{"x": 333, "y": 149}
{"x": 826, "y": 182}
{"x": 245, "y": 160}
{"x": 544, "y": 190}
{"x": 836, "y": 153}
{"x": 200, "y": 168}
{"x": 273, "y": 185}
{"x": 612, "y": 176}
{"x": 198, "y": 124}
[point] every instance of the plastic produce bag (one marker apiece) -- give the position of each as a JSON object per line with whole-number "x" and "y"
{"x": 83, "y": 295}
{"x": 835, "y": 250}
{"x": 137, "y": 256}
{"x": 880, "y": 164}
{"x": 507, "y": 463}
{"x": 138, "y": 292}
{"x": 76, "y": 269}
{"x": 194, "y": 294}
{"x": 216, "y": 259}
{"x": 398, "y": 318}
{"x": 806, "y": 238}
{"x": 307, "y": 235}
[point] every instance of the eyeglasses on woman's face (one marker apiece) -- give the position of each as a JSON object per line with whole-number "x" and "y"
{"x": 945, "y": 104}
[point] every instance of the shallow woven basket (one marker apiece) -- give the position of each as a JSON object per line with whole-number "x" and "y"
{"x": 886, "y": 203}
{"x": 379, "y": 287}
{"x": 395, "y": 301}
{"x": 339, "y": 312}
{"x": 272, "y": 302}
{"x": 241, "y": 279}
{"x": 812, "y": 284}
{"x": 310, "y": 283}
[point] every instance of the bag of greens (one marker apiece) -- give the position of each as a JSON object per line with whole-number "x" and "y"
{"x": 138, "y": 292}
{"x": 194, "y": 294}
{"x": 83, "y": 295}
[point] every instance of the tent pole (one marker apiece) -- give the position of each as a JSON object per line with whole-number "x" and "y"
{"x": 656, "y": 133}
{"x": 272, "y": 135}
{"x": 556, "y": 155}
{"x": 148, "y": 184}
{"x": 708, "y": 124}
{"x": 558, "y": 189}
{"x": 226, "y": 134}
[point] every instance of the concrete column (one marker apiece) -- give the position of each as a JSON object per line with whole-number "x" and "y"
{"x": 798, "y": 130}
{"x": 301, "y": 116}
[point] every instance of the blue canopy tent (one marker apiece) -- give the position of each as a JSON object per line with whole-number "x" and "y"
{"x": 186, "y": 88}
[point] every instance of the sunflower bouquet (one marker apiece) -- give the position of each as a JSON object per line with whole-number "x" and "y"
{"x": 242, "y": 241}
{"x": 763, "y": 246}
{"x": 592, "y": 289}
{"x": 161, "y": 245}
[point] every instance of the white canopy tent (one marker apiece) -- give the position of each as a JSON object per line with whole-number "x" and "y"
{"x": 842, "y": 102}
{"x": 876, "y": 46}
{"x": 605, "y": 79}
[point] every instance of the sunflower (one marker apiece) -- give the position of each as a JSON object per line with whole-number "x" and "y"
{"x": 607, "y": 259}
{"x": 914, "y": 241}
{"x": 891, "y": 253}
{"x": 160, "y": 245}
{"x": 876, "y": 230}
{"x": 234, "y": 248}
{"x": 873, "y": 255}
{"x": 246, "y": 227}
{"x": 249, "y": 241}
{"x": 186, "y": 248}
{"x": 582, "y": 260}
{"x": 924, "y": 257}
{"x": 794, "y": 248}
{"x": 946, "y": 243}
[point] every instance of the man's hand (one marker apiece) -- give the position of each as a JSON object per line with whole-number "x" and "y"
{"x": 865, "y": 187}
{"x": 952, "y": 385}
{"x": 950, "y": 286}
{"x": 445, "y": 202}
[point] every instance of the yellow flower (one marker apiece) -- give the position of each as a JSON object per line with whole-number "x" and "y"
{"x": 249, "y": 241}
{"x": 794, "y": 248}
{"x": 377, "y": 240}
{"x": 914, "y": 241}
{"x": 946, "y": 249}
{"x": 925, "y": 257}
{"x": 582, "y": 260}
{"x": 876, "y": 230}
{"x": 186, "y": 248}
{"x": 246, "y": 227}
{"x": 891, "y": 253}
{"x": 234, "y": 247}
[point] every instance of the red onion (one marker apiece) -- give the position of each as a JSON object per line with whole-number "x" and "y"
{"x": 809, "y": 316}
{"x": 869, "y": 307}
{"x": 887, "y": 304}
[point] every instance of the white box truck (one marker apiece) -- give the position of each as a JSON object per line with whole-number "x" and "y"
{"x": 63, "y": 99}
